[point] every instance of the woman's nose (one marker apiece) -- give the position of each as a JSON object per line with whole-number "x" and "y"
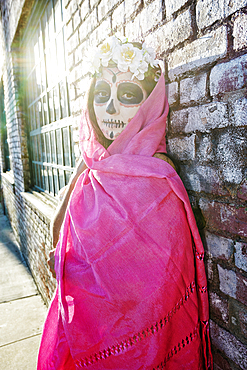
{"x": 110, "y": 108}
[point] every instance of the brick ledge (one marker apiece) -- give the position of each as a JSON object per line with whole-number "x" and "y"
{"x": 9, "y": 177}
{"x": 40, "y": 204}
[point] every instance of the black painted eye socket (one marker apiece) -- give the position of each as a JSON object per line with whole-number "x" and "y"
{"x": 102, "y": 92}
{"x": 129, "y": 93}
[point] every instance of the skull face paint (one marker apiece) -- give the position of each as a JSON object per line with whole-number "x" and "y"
{"x": 117, "y": 99}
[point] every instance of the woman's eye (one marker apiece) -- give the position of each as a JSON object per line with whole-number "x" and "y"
{"x": 102, "y": 94}
{"x": 128, "y": 95}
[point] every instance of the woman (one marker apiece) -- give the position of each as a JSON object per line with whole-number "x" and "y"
{"x": 129, "y": 262}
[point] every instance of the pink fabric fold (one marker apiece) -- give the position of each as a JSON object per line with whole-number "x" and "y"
{"x": 131, "y": 281}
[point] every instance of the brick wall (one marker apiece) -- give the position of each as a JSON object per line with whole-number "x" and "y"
{"x": 36, "y": 240}
{"x": 8, "y": 187}
{"x": 203, "y": 47}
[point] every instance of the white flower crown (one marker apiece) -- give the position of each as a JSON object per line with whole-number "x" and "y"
{"x": 126, "y": 56}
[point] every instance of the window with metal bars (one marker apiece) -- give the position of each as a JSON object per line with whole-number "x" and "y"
{"x": 51, "y": 143}
{"x": 7, "y": 164}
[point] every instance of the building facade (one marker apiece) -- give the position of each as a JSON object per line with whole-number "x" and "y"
{"x": 203, "y": 47}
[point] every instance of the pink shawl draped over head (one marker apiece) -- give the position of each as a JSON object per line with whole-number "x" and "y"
{"x": 131, "y": 288}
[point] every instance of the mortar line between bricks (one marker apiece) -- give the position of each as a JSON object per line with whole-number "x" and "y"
{"x": 17, "y": 299}
{"x": 20, "y": 340}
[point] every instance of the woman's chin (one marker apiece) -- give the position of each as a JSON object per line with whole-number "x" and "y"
{"x": 111, "y": 135}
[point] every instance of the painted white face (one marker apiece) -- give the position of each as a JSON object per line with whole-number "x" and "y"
{"x": 117, "y": 99}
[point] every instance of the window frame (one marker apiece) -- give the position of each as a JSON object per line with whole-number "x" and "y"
{"x": 6, "y": 157}
{"x": 52, "y": 162}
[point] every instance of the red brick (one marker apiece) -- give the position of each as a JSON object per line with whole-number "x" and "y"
{"x": 170, "y": 34}
{"x": 201, "y": 118}
{"x": 218, "y": 246}
{"x": 198, "y": 53}
{"x": 241, "y": 255}
{"x": 219, "y": 307}
{"x": 242, "y": 191}
{"x": 202, "y": 178}
{"x": 232, "y": 155}
{"x": 173, "y": 6}
{"x": 228, "y": 76}
{"x": 193, "y": 89}
{"x": 149, "y": 17}
{"x": 225, "y": 217}
{"x": 243, "y": 321}
{"x": 209, "y": 269}
{"x": 228, "y": 281}
{"x": 220, "y": 363}
{"x": 239, "y": 32}
{"x": 229, "y": 345}
{"x": 233, "y": 284}
{"x": 241, "y": 289}
{"x": 240, "y": 112}
{"x": 172, "y": 93}
{"x": 238, "y": 314}
{"x": 208, "y": 12}
{"x": 183, "y": 148}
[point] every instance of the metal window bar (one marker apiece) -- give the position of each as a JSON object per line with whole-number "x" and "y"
{"x": 38, "y": 156}
{"x": 45, "y": 167}
{"x": 55, "y": 155}
{"x": 57, "y": 166}
{"x": 53, "y": 161}
{"x": 35, "y": 169}
{"x": 48, "y": 160}
{"x": 62, "y": 154}
{"x": 51, "y": 180}
{"x": 69, "y": 145}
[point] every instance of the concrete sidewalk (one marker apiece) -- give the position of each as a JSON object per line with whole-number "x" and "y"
{"x": 22, "y": 311}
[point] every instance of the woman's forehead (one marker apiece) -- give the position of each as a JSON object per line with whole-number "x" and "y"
{"x": 113, "y": 75}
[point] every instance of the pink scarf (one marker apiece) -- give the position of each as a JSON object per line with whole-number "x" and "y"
{"x": 131, "y": 281}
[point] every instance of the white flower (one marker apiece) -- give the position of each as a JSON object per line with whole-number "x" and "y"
{"x": 149, "y": 55}
{"x": 106, "y": 50}
{"x": 139, "y": 73}
{"x": 124, "y": 54}
{"x": 127, "y": 57}
{"x": 91, "y": 62}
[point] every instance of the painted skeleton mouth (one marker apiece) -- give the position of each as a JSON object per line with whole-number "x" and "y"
{"x": 111, "y": 123}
